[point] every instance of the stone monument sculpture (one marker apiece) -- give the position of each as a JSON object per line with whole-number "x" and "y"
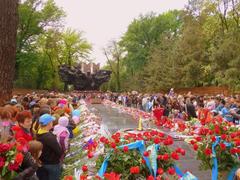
{"x": 84, "y": 80}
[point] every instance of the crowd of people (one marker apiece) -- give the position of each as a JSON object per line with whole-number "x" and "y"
{"x": 182, "y": 107}
{"x": 44, "y": 123}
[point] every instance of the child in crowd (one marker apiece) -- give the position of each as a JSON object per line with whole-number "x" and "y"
{"x": 51, "y": 153}
{"x": 62, "y": 133}
{"x": 31, "y": 162}
{"x": 35, "y": 148}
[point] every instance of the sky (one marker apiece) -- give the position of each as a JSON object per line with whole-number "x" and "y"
{"x": 104, "y": 20}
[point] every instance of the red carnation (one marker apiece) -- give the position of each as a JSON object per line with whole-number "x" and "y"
{"x": 134, "y": 170}
{"x": 157, "y": 140}
{"x": 233, "y": 135}
{"x": 224, "y": 136}
{"x": 210, "y": 132}
{"x": 152, "y": 133}
{"x": 117, "y": 134}
{"x": 95, "y": 144}
{"x": 213, "y": 138}
{"x": 195, "y": 147}
{"x": 113, "y": 145}
{"x": 143, "y": 161}
{"x": 68, "y": 178}
{"x": 175, "y": 156}
{"x": 106, "y": 141}
{"x": 20, "y": 147}
{"x": 13, "y": 166}
{"x": 233, "y": 150}
{"x": 102, "y": 139}
{"x": 150, "y": 178}
{"x": 84, "y": 168}
{"x": 146, "y": 153}
{"x": 198, "y": 138}
{"x": 4, "y": 147}
{"x": 111, "y": 176}
{"x": 171, "y": 171}
{"x": 19, "y": 158}
{"x": 125, "y": 149}
{"x": 146, "y": 133}
{"x": 165, "y": 157}
{"x": 183, "y": 152}
{"x": 90, "y": 155}
{"x": 160, "y": 157}
{"x": 217, "y": 129}
{"x": 160, "y": 171}
{"x": 168, "y": 141}
{"x": 83, "y": 177}
{"x": 208, "y": 151}
{"x": 126, "y": 137}
{"x": 237, "y": 142}
{"x": 222, "y": 146}
{"x": 178, "y": 150}
{"x": 160, "y": 134}
{"x": 117, "y": 140}
{"x": 192, "y": 142}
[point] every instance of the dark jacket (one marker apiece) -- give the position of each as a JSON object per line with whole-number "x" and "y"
{"x": 191, "y": 110}
{"x": 52, "y": 151}
{"x": 27, "y": 169}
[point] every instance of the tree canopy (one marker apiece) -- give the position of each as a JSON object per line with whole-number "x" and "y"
{"x": 196, "y": 46}
{"x": 43, "y": 44}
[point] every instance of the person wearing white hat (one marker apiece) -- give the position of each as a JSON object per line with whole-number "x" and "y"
{"x": 62, "y": 134}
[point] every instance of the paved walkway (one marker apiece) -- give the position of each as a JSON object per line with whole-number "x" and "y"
{"x": 115, "y": 121}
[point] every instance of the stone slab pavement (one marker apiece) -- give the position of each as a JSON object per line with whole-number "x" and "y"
{"x": 115, "y": 121}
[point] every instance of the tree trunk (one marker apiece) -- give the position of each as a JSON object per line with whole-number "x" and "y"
{"x": 8, "y": 33}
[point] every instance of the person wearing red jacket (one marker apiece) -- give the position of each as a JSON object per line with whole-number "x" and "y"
{"x": 22, "y": 129}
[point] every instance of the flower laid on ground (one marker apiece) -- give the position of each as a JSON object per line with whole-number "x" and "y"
{"x": 225, "y": 136}
{"x": 130, "y": 163}
{"x": 68, "y": 178}
{"x": 112, "y": 176}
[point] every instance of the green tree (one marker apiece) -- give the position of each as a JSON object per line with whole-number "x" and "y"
{"x": 75, "y": 47}
{"x": 143, "y": 33}
{"x": 163, "y": 70}
{"x": 35, "y": 17}
{"x": 114, "y": 55}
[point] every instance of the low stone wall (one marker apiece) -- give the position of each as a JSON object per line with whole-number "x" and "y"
{"x": 205, "y": 90}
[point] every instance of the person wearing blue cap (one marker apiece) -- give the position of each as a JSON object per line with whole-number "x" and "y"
{"x": 51, "y": 153}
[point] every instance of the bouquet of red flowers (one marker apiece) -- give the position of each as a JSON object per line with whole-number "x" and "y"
{"x": 218, "y": 146}
{"x": 11, "y": 158}
{"x": 130, "y": 163}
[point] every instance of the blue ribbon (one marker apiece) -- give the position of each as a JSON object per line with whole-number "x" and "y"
{"x": 178, "y": 171}
{"x": 155, "y": 166}
{"x": 214, "y": 158}
{"x": 215, "y": 163}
